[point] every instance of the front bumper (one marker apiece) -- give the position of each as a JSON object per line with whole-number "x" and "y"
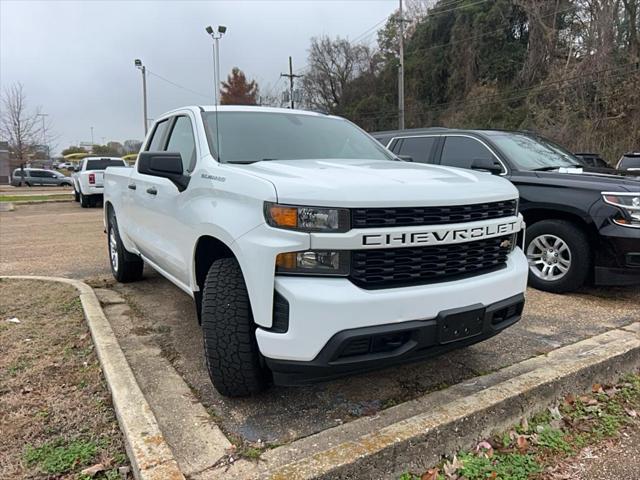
{"x": 617, "y": 260}
{"x": 369, "y": 348}
{"x": 320, "y": 308}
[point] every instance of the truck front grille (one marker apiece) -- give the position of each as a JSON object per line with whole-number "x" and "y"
{"x": 412, "y": 216}
{"x": 399, "y": 267}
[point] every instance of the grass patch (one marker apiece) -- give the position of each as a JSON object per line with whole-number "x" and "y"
{"x": 547, "y": 438}
{"x": 59, "y": 457}
{"x": 31, "y": 198}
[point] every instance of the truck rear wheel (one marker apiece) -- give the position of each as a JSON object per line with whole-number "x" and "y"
{"x": 84, "y": 201}
{"x": 125, "y": 266}
{"x": 76, "y": 195}
{"x": 235, "y": 365}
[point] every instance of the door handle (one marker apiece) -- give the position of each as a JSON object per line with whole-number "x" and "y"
{"x": 131, "y": 186}
{"x": 152, "y": 190}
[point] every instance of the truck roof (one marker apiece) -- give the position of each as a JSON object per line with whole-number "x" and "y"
{"x": 246, "y": 108}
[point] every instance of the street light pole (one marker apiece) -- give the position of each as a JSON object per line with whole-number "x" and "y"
{"x": 401, "y": 72}
{"x": 138, "y": 63}
{"x": 92, "y": 136}
{"x": 216, "y": 35}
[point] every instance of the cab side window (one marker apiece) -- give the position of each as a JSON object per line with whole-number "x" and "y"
{"x": 182, "y": 141}
{"x": 418, "y": 148}
{"x": 462, "y": 151}
{"x": 156, "y": 143}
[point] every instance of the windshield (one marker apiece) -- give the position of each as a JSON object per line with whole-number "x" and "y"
{"x": 534, "y": 153}
{"x": 247, "y": 137}
{"x": 102, "y": 163}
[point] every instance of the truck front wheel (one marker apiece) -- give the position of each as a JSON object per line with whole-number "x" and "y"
{"x": 125, "y": 266}
{"x": 233, "y": 359}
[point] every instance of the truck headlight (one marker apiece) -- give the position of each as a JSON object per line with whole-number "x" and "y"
{"x": 314, "y": 262}
{"x": 628, "y": 203}
{"x": 307, "y": 219}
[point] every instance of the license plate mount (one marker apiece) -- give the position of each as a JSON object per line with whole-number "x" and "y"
{"x": 456, "y": 325}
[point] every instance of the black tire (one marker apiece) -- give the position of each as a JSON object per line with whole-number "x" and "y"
{"x": 76, "y": 195}
{"x": 84, "y": 201}
{"x": 27, "y": 184}
{"x": 128, "y": 267}
{"x": 235, "y": 365}
{"x": 580, "y": 255}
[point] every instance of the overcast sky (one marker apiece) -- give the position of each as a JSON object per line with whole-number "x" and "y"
{"x": 75, "y": 58}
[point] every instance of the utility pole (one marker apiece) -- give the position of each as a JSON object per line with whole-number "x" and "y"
{"x": 92, "y": 142}
{"x": 291, "y": 77}
{"x": 44, "y": 131}
{"x": 138, "y": 63}
{"x": 401, "y": 73}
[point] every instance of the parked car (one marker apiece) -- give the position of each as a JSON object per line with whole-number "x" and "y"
{"x": 310, "y": 250}
{"x": 88, "y": 184}
{"x": 39, "y": 176}
{"x": 592, "y": 160}
{"x": 629, "y": 162}
{"x": 581, "y": 226}
{"x": 66, "y": 166}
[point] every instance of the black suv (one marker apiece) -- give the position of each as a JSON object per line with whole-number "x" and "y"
{"x": 581, "y": 225}
{"x": 629, "y": 161}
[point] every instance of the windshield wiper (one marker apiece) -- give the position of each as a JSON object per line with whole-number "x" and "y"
{"x": 245, "y": 162}
{"x": 556, "y": 167}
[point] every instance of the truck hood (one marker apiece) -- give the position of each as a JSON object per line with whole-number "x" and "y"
{"x": 581, "y": 179}
{"x": 378, "y": 183}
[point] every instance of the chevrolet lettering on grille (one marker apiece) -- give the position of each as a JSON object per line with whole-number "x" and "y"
{"x": 440, "y": 235}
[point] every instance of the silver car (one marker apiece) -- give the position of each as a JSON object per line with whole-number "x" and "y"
{"x": 39, "y": 176}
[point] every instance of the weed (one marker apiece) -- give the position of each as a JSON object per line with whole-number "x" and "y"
{"x": 57, "y": 457}
{"x": 554, "y": 440}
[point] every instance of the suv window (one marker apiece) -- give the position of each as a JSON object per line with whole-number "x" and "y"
{"x": 182, "y": 141}
{"x": 418, "y": 148}
{"x": 18, "y": 173}
{"x": 461, "y": 151}
{"x": 36, "y": 173}
{"x": 155, "y": 145}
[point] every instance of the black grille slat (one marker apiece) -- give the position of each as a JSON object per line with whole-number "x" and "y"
{"x": 412, "y": 216}
{"x": 389, "y": 267}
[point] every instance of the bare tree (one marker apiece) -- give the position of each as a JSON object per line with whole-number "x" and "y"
{"x": 19, "y": 126}
{"x": 332, "y": 65}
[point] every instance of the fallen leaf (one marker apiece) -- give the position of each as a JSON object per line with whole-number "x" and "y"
{"x": 569, "y": 399}
{"x": 556, "y": 424}
{"x": 485, "y": 448}
{"x": 631, "y": 412}
{"x": 13, "y": 320}
{"x": 596, "y": 388}
{"x": 93, "y": 470}
{"x": 555, "y": 413}
{"x": 592, "y": 402}
{"x": 431, "y": 474}
{"x": 450, "y": 468}
{"x": 522, "y": 443}
{"x": 524, "y": 424}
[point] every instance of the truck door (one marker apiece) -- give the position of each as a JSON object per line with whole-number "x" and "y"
{"x": 162, "y": 236}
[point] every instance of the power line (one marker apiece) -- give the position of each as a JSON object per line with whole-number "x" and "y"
{"x": 187, "y": 89}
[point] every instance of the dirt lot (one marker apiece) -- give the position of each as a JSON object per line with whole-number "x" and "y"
{"x": 63, "y": 239}
{"x": 56, "y": 417}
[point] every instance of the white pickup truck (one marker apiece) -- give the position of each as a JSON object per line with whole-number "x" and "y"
{"x": 88, "y": 185}
{"x": 310, "y": 250}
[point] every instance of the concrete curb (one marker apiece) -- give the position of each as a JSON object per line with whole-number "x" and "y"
{"x": 34, "y": 202}
{"x": 398, "y": 439}
{"x": 151, "y": 457}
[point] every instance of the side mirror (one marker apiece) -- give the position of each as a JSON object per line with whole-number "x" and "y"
{"x": 165, "y": 165}
{"x": 492, "y": 166}
{"x": 406, "y": 158}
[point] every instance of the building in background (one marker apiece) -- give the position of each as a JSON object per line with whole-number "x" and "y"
{"x": 5, "y": 165}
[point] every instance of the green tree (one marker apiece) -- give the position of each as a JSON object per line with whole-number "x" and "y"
{"x": 73, "y": 149}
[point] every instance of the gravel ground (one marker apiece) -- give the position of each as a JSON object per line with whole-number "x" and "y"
{"x": 63, "y": 239}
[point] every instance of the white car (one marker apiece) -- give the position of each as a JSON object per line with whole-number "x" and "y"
{"x": 88, "y": 179}
{"x": 312, "y": 251}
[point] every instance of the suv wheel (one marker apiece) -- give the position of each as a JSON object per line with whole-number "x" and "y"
{"x": 125, "y": 266}
{"x": 233, "y": 359}
{"x": 84, "y": 201}
{"x": 559, "y": 256}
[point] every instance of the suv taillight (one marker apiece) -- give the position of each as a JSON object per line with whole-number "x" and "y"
{"x": 92, "y": 178}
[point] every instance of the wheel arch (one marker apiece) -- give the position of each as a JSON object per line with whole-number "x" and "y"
{"x": 534, "y": 215}
{"x": 207, "y": 250}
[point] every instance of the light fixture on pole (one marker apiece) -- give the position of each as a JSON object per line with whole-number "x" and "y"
{"x": 216, "y": 35}
{"x": 138, "y": 63}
